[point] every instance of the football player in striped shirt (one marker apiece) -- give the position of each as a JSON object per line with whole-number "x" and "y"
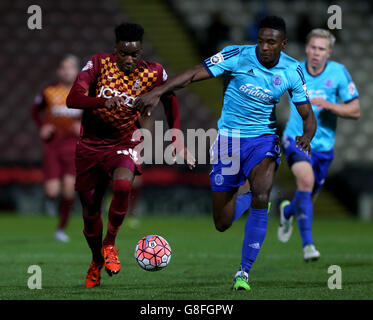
{"x": 106, "y": 90}
{"x": 59, "y": 128}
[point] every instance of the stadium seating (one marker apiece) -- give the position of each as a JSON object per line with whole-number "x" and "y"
{"x": 30, "y": 58}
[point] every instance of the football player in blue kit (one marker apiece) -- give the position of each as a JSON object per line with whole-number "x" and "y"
{"x": 247, "y": 148}
{"x": 328, "y": 83}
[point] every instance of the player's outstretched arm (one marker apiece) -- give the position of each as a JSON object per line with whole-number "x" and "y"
{"x": 309, "y": 127}
{"x": 150, "y": 99}
{"x": 350, "y": 110}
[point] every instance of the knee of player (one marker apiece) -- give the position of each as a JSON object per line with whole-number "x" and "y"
{"x": 306, "y": 182}
{"x": 91, "y": 215}
{"x": 52, "y": 193}
{"x": 121, "y": 187}
{"x": 52, "y": 188}
{"x": 221, "y": 225}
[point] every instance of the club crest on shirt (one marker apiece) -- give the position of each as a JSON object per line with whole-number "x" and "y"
{"x": 219, "y": 179}
{"x": 88, "y": 66}
{"x": 137, "y": 86}
{"x": 276, "y": 81}
{"x": 217, "y": 58}
{"x": 328, "y": 83}
{"x": 351, "y": 88}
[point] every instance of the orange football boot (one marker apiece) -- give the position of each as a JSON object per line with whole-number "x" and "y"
{"x": 93, "y": 275}
{"x": 112, "y": 263}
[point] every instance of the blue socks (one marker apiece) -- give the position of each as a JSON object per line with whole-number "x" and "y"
{"x": 302, "y": 207}
{"x": 255, "y": 232}
{"x": 243, "y": 203}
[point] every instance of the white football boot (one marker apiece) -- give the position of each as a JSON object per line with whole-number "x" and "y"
{"x": 310, "y": 253}
{"x": 286, "y": 225}
{"x": 60, "y": 235}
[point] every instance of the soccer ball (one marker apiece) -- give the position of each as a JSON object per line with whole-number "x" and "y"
{"x": 153, "y": 253}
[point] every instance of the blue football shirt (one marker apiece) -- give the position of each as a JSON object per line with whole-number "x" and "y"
{"x": 333, "y": 84}
{"x": 251, "y": 91}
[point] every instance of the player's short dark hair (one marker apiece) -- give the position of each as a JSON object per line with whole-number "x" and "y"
{"x": 274, "y": 22}
{"x": 129, "y": 32}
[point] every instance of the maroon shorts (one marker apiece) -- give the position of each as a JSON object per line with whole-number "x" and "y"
{"x": 59, "y": 158}
{"x": 95, "y": 164}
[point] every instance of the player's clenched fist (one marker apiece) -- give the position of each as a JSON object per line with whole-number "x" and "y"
{"x": 115, "y": 102}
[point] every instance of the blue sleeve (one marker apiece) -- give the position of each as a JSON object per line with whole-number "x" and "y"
{"x": 346, "y": 87}
{"x": 298, "y": 89}
{"x": 225, "y": 60}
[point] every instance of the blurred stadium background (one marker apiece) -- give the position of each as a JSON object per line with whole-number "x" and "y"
{"x": 179, "y": 34}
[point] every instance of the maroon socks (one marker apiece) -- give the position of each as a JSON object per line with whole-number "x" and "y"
{"x": 118, "y": 209}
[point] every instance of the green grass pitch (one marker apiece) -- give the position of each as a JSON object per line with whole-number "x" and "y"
{"x": 202, "y": 265}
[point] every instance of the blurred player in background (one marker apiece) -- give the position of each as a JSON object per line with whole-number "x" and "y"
{"x": 59, "y": 128}
{"x": 256, "y": 77}
{"x": 106, "y": 90}
{"x": 328, "y": 82}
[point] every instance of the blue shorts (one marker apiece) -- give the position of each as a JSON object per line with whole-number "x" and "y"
{"x": 233, "y": 159}
{"x": 320, "y": 161}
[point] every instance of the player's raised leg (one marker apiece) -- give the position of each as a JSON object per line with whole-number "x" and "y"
{"x": 243, "y": 201}
{"x": 122, "y": 182}
{"x": 230, "y": 205}
{"x": 224, "y": 204}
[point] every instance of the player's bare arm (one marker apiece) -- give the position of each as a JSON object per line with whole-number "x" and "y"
{"x": 151, "y": 99}
{"x": 309, "y": 128}
{"x": 350, "y": 110}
